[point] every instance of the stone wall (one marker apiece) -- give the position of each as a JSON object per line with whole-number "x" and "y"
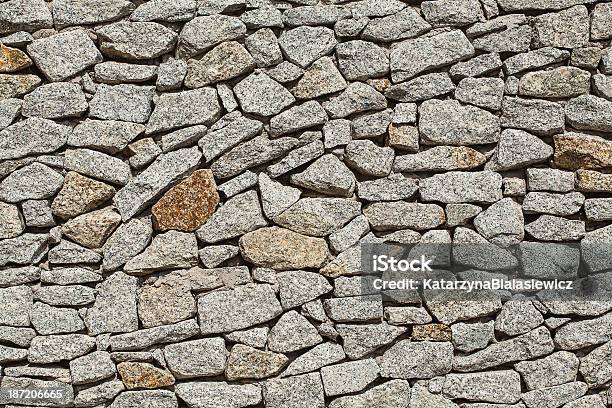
{"x": 185, "y": 186}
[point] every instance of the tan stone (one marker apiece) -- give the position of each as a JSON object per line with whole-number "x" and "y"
{"x": 404, "y": 137}
{"x": 577, "y": 151}
{"x": 17, "y": 85}
{"x": 380, "y": 84}
{"x": 166, "y": 301}
{"x": 431, "y": 332}
{"x": 189, "y": 204}
{"x": 283, "y": 249}
{"x": 590, "y": 181}
{"x": 248, "y": 362}
{"x": 144, "y": 375}
{"x": 80, "y": 194}
{"x": 92, "y": 229}
{"x": 13, "y": 59}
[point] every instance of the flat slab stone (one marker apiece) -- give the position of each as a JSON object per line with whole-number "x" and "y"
{"x": 222, "y": 312}
{"x": 32, "y": 136}
{"x": 186, "y": 108}
{"x": 462, "y": 187}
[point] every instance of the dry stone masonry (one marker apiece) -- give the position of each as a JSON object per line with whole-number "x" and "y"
{"x": 186, "y": 186}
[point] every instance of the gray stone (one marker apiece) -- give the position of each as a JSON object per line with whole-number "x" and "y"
{"x": 149, "y": 185}
{"x": 211, "y": 394}
{"x": 114, "y": 310}
{"x": 99, "y": 394}
{"x": 26, "y": 15}
{"x": 392, "y": 188}
{"x": 477, "y": 66}
{"x": 297, "y": 118}
{"x": 421, "y": 88}
{"x": 602, "y": 86}
{"x": 461, "y": 187}
{"x": 555, "y": 396}
{"x": 358, "y": 97}
{"x": 315, "y": 15}
{"x": 551, "y": 228}
{"x": 518, "y": 316}
{"x": 261, "y": 95}
{"x": 327, "y": 175}
{"x": 361, "y": 340}
{"x": 299, "y": 391}
{"x": 152, "y": 398}
{"x": 407, "y": 359}
{"x": 517, "y": 149}
{"x": 354, "y": 309}
{"x": 158, "y": 10}
{"x": 394, "y": 393}
{"x": 565, "y": 29}
{"x": 319, "y": 356}
{"x": 536, "y": 116}
{"x": 534, "y": 59}
{"x": 9, "y": 111}
{"x": 299, "y": 287}
{"x": 292, "y": 332}
{"x": 18, "y": 304}
{"x": 64, "y": 55}
{"x": 71, "y": 12}
{"x": 589, "y": 112}
{"x": 170, "y": 250}
{"x": 371, "y": 125}
{"x": 369, "y": 159}
{"x": 354, "y": 64}
{"x": 598, "y": 209}
{"x": 54, "y": 101}
{"x": 265, "y": 16}
{"x": 584, "y": 333}
{"x": 203, "y": 33}
{"x": 92, "y": 368}
{"x": 536, "y": 343}
{"x": 555, "y": 204}
{"x": 468, "y": 337}
{"x": 513, "y": 39}
{"x": 109, "y": 136}
{"x": 263, "y": 46}
{"x": 125, "y": 102}
{"x": 595, "y": 367}
{"x": 67, "y": 252}
{"x": 32, "y": 136}
{"x": 440, "y": 158}
{"x": 425, "y": 53}
{"x": 144, "y": 338}
{"x": 220, "y": 312}
{"x": 349, "y": 377}
{"x": 12, "y": 86}
{"x": 226, "y": 61}
{"x": 550, "y": 179}
{"x": 238, "y": 184}
{"x": 396, "y": 215}
{"x": 498, "y": 386}
{"x": 214, "y": 143}
{"x": 406, "y": 23}
{"x": 318, "y": 216}
{"x": 461, "y": 214}
{"x": 32, "y": 182}
{"x": 502, "y": 222}
{"x": 483, "y": 92}
{"x": 213, "y": 256}
{"x": 186, "y": 108}
{"x": 296, "y": 158}
{"x": 239, "y": 215}
{"x": 304, "y": 45}
{"x": 170, "y": 74}
{"x": 595, "y": 401}
{"x": 256, "y": 337}
{"x": 514, "y": 5}
{"x": 18, "y": 276}
{"x": 453, "y": 13}
{"x": 143, "y": 152}
{"x": 99, "y": 165}
{"x": 556, "y": 369}
{"x": 56, "y": 348}
{"x": 196, "y": 358}
{"x": 449, "y": 122}
{"x": 70, "y": 276}
{"x": 127, "y": 241}
{"x": 50, "y": 320}
{"x": 136, "y": 40}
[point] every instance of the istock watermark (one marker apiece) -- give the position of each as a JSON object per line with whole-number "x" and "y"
{"x": 465, "y": 271}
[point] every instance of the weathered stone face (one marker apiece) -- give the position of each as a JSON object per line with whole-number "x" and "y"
{"x": 187, "y": 205}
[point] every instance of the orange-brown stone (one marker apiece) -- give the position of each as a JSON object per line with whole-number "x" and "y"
{"x": 431, "y": 332}
{"x": 13, "y": 59}
{"x": 187, "y": 206}
{"x": 143, "y": 375}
